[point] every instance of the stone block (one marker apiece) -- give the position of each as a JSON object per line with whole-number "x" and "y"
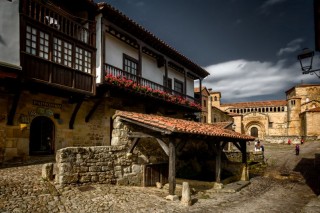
{"x": 85, "y": 179}
{"x": 95, "y": 178}
{"x": 118, "y": 168}
{"x": 67, "y": 179}
{"x": 172, "y": 197}
{"x": 127, "y": 169}
{"x": 95, "y": 169}
{"x": 136, "y": 168}
{"x": 186, "y": 194}
{"x": 10, "y": 153}
{"x": 118, "y": 174}
{"x": 11, "y": 143}
{"x": 65, "y": 168}
{"x": 47, "y": 171}
{"x": 23, "y": 146}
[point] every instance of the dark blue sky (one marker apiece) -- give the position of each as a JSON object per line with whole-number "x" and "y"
{"x": 248, "y": 46}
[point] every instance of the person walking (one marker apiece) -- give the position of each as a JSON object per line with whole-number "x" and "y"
{"x": 297, "y": 149}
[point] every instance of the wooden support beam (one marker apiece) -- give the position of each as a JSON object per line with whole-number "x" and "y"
{"x": 94, "y": 108}
{"x": 223, "y": 144}
{"x": 139, "y": 135}
{"x": 236, "y": 144}
{"x": 172, "y": 168}
{"x": 163, "y": 146}
{"x": 133, "y": 145}
{"x": 74, "y": 113}
{"x": 244, "y": 152}
{"x": 13, "y": 107}
{"x": 218, "y": 162}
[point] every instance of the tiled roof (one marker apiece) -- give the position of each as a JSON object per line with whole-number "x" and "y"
{"x": 275, "y": 103}
{"x": 140, "y": 32}
{"x": 222, "y": 125}
{"x": 174, "y": 125}
{"x": 317, "y": 109}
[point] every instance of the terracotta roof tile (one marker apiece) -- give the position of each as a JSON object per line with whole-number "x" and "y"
{"x": 317, "y": 109}
{"x": 140, "y": 31}
{"x": 223, "y": 125}
{"x": 180, "y": 125}
{"x": 275, "y": 103}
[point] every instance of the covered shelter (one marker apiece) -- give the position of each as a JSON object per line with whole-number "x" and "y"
{"x": 166, "y": 131}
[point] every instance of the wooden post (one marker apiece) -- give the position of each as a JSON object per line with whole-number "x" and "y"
{"x": 244, "y": 152}
{"x": 218, "y": 162}
{"x": 172, "y": 168}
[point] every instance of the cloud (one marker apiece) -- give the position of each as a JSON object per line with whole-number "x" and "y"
{"x": 291, "y": 47}
{"x": 136, "y": 3}
{"x": 243, "y": 80}
{"x": 270, "y": 3}
{"x": 265, "y": 7}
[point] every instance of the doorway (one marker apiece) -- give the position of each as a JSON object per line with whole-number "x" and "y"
{"x": 41, "y": 136}
{"x": 254, "y": 132}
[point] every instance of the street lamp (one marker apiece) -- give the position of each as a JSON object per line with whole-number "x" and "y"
{"x": 306, "y": 59}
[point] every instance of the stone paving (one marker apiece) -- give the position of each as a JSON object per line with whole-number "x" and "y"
{"x": 23, "y": 190}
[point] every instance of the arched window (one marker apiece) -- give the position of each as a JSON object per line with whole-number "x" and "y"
{"x": 215, "y": 98}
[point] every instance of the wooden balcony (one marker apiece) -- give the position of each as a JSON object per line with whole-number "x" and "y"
{"x": 59, "y": 20}
{"x": 44, "y": 71}
{"x": 57, "y": 48}
{"x": 121, "y": 78}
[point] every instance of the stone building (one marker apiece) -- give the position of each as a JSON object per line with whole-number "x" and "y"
{"x": 278, "y": 120}
{"x": 67, "y": 66}
{"x": 210, "y": 112}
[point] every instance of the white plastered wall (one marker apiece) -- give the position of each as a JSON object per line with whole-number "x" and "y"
{"x": 9, "y": 33}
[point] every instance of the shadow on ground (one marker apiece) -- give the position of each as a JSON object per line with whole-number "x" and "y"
{"x": 32, "y": 160}
{"x": 310, "y": 173}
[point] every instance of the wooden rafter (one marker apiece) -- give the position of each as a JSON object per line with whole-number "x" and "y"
{"x": 74, "y": 113}
{"x": 13, "y": 107}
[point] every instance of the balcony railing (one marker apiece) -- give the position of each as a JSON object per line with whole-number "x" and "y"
{"x": 48, "y": 15}
{"x": 57, "y": 75}
{"x": 122, "y": 78}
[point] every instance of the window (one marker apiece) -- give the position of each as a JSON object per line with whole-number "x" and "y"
{"x": 215, "y": 98}
{"x": 62, "y": 52}
{"x": 83, "y": 60}
{"x": 178, "y": 86}
{"x": 270, "y": 124}
{"x": 130, "y": 65}
{"x": 37, "y": 42}
{"x": 204, "y": 103}
{"x": 169, "y": 83}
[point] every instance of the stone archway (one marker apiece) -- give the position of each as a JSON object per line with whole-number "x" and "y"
{"x": 255, "y": 129}
{"x": 42, "y": 134}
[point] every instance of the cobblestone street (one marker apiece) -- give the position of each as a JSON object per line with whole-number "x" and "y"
{"x": 23, "y": 190}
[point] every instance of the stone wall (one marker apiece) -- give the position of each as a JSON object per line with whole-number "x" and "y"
{"x": 284, "y": 139}
{"x": 101, "y": 164}
{"x": 237, "y": 156}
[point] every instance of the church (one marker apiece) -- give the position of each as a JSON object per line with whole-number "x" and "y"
{"x": 275, "y": 120}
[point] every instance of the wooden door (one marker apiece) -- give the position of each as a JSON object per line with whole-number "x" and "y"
{"x": 156, "y": 173}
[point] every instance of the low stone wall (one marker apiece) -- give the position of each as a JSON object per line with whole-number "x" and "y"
{"x": 237, "y": 156}
{"x": 284, "y": 139}
{"x": 103, "y": 164}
